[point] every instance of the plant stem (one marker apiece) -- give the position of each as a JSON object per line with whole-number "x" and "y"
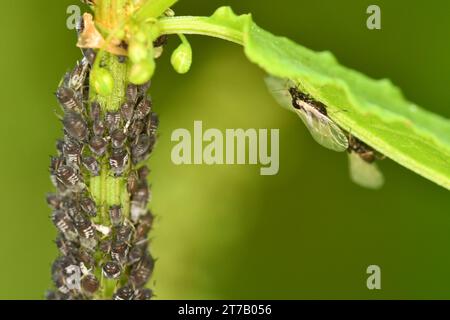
{"x": 200, "y": 26}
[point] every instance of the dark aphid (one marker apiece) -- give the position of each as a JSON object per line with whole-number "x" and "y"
{"x": 75, "y": 126}
{"x": 118, "y": 161}
{"x": 70, "y": 206}
{"x": 90, "y": 55}
{"x": 65, "y": 246}
{"x": 78, "y": 76}
{"x": 119, "y": 251}
{"x": 124, "y": 233}
{"x": 124, "y": 293}
{"x": 68, "y": 176}
{"x": 137, "y": 252}
{"x": 56, "y": 163}
{"x": 152, "y": 125}
{"x": 143, "y": 173}
{"x": 136, "y": 128}
{"x": 105, "y": 246}
{"x": 132, "y": 182}
{"x": 143, "y": 294}
{"x": 72, "y": 152}
{"x": 141, "y": 272}
{"x": 84, "y": 226}
{"x": 140, "y": 148}
{"x": 144, "y": 226}
{"x": 54, "y": 201}
{"x": 64, "y": 224}
{"x": 95, "y": 111}
{"x": 68, "y": 99}
{"x": 88, "y": 205}
{"x": 366, "y": 153}
{"x": 98, "y": 145}
{"x": 139, "y": 202}
{"x": 86, "y": 258}
{"x": 115, "y": 214}
{"x": 160, "y": 41}
{"x": 98, "y": 127}
{"x": 143, "y": 109}
{"x": 118, "y": 139}
{"x": 112, "y": 120}
{"x": 92, "y": 165}
{"x": 127, "y": 111}
{"x": 132, "y": 94}
{"x": 143, "y": 89}
{"x": 60, "y": 146}
{"x": 111, "y": 270}
{"x": 90, "y": 284}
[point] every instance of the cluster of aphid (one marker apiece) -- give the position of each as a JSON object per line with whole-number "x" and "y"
{"x": 98, "y": 242}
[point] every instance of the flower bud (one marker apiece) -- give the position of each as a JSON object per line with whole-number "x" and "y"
{"x": 141, "y": 72}
{"x": 182, "y": 58}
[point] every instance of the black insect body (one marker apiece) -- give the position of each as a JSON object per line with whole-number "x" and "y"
{"x": 141, "y": 148}
{"x": 78, "y": 76}
{"x": 84, "y": 226}
{"x": 88, "y": 205}
{"x": 113, "y": 120}
{"x": 143, "y": 109}
{"x": 98, "y": 145}
{"x": 124, "y": 293}
{"x": 75, "y": 126}
{"x": 68, "y": 176}
{"x": 54, "y": 201}
{"x": 111, "y": 270}
{"x": 90, "y": 55}
{"x": 105, "y": 246}
{"x": 136, "y": 128}
{"x": 95, "y": 111}
{"x": 118, "y": 139}
{"x": 144, "y": 226}
{"x": 98, "y": 127}
{"x": 64, "y": 224}
{"x": 118, "y": 161}
{"x": 72, "y": 153}
{"x": 141, "y": 272}
{"x": 90, "y": 284}
{"x": 153, "y": 125}
{"x": 66, "y": 247}
{"x": 143, "y": 294}
{"x": 119, "y": 251}
{"x": 366, "y": 153}
{"x": 124, "y": 233}
{"x": 132, "y": 94}
{"x": 137, "y": 252}
{"x": 115, "y": 214}
{"x": 92, "y": 165}
{"x": 68, "y": 99}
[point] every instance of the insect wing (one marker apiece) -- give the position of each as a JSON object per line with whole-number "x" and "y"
{"x": 322, "y": 128}
{"x": 279, "y": 89}
{"x": 363, "y": 173}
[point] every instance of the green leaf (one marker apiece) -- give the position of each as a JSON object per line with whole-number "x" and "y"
{"x": 375, "y": 111}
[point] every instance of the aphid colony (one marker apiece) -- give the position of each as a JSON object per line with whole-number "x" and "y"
{"x": 98, "y": 243}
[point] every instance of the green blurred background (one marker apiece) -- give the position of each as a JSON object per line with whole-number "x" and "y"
{"x": 225, "y": 231}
